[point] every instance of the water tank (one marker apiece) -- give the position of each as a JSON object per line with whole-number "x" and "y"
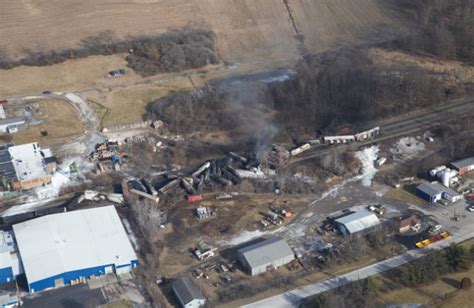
{"x": 435, "y": 170}
{"x": 446, "y": 176}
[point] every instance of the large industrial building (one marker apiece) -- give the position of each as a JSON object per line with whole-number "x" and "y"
{"x": 268, "y": 254}
{"x": 356, "y": 222}
{"x": 434, "y": 192}
{"x": 10, "y": 265}
{"x": 463, "y": 166}
{"x": 67, "y": 248}
{"x": 188, "y": 293}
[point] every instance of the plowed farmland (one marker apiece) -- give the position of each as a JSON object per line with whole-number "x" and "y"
{"x": 247, "y": 30}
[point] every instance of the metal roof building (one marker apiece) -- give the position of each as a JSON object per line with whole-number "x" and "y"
{"x": 188, "y": 293}
{"x": 7, "y": 170}
{"x": 356, "y": 222}
{"x": 433, "y": 192}
{"x": 463, "y": 166}
{"x": 265, "y": 255}
{"x": 63, "y": 248}
{"x": 12, "y": 125}
{"x": 28, "y": 161}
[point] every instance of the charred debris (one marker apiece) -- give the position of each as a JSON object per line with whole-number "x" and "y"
{"x": 225, "y": 171}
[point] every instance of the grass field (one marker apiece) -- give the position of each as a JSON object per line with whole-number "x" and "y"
{"x": 74, "y": 75}
{"x": 128, "y": 105}
{"x": 119, "y": 304}
{"x": 60, "y": 120}
{"x": 405, "y": 194}
{"x": 247, "y": 30}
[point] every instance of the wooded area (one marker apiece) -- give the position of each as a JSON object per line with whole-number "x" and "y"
{"x": 148, "y": 55}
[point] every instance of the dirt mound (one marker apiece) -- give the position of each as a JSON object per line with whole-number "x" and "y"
{"x": 247, "y": 30}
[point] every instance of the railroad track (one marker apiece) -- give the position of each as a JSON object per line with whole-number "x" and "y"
{"x": 390, "y": 129}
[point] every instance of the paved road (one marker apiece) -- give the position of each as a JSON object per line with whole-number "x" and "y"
{"x": 293, "y": 298}
{"x": 92, "y": 135}
{"x": 78, "y": 296}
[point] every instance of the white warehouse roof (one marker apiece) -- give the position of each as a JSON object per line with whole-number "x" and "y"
{"x": 65, "y": 242}
{"x": 267, "y": 251}
{"x": 358, "y": 221}
{"x": 28, "y": 161}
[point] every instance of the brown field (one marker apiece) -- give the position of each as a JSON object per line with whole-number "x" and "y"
{"x": 332, "y": 24}
{"x": 452, "y": 72}
{"x": 433, "y": 294}
{"x": 73, "y": 75}
{"x": 129, "y": 105}
{"x": 247, "y": 30}
{"x": 60, "y": 120}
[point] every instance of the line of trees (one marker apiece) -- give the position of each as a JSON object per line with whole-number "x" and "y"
{"x": 363, "y": 293}
{"x": 347, "y": 87}
{"x": 148, "y": 55}
{"x": 427, "y": 269}
{"x": 359, "y": 294}
{"x": 446, "y": 30}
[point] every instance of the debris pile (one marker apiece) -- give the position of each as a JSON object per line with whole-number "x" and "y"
{"x": 204, "y": 212}
{"x": 139, "y": 190}
{"x": 105, "y": 151}
{"x": 226, "y": 171}
{"x": 204, "y": 251}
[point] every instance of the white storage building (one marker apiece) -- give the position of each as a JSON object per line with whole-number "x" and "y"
{"x": 356, "y": 222}
{"x": 260, "y": 257}
{"x": 61, "y": 249}
{"x": 188, "y": 294}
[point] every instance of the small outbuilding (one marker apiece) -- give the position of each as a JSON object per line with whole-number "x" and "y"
{"x": 12, "y": 125}
{"x": 463, "y": 166}
{"x": 188, "y": 293}
{"x": 434, "y": 192}
{"x": 411, "y": 223}
{"x": 356, "y": 222}
{"x": 268, "y": 254}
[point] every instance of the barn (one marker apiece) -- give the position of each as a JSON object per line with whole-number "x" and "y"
{"x": 357, "y": 222}
{"x": 260, "y": 257}
{"x": 188, "y": 294}
{"x": 66, "y": 248}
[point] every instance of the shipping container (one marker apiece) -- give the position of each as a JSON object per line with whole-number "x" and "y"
{"x": 195, "y": 198}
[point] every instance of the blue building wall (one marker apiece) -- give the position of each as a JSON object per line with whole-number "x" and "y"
{"x": 425, "y": 196}
{"x": 6, "y": 275}
{"x": 43, "y": 284}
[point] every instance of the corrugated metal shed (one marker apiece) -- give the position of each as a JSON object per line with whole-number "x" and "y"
{"x": 6, "y": 123}
{"x": 7, "y": 170}
{"x": 463, "y": 163}
{"x": 358, "y": 221}
{"x": 187, "y": 291}
{"x": 271, "y": 252}
{"x": 435, "y": 188}
{"x": 60, "y": 246}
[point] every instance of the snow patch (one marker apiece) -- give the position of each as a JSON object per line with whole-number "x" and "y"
{"x": 243, "y": 237}
{"x": 407, "y": 148}
{"x": 367, "y": 157}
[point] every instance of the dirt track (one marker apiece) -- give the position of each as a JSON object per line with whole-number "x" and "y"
{"x": 247, "y": 30}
